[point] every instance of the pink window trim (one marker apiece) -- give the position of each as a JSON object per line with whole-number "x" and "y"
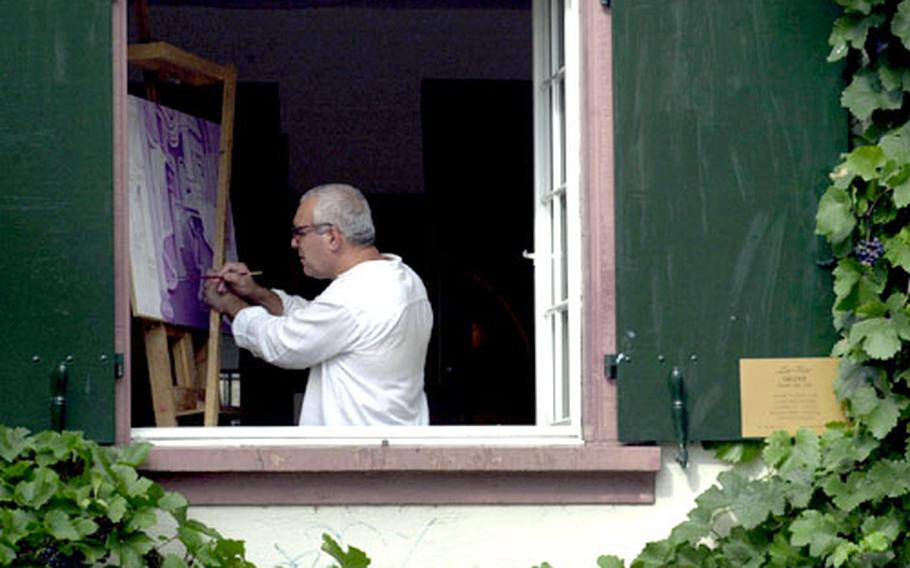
{"x": 599, "y": 471}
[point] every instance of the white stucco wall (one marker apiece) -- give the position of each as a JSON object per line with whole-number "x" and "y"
{"x": 469, "y": 536}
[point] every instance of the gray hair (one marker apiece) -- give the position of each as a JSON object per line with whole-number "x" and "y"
{"x": 345, "y": 207}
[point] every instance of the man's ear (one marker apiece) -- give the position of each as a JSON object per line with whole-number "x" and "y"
{"x": 336, "y": 239}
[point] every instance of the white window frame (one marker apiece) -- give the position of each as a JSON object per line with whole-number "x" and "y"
{"x": 558, "y": 356}
{"x": 557, "y": 216}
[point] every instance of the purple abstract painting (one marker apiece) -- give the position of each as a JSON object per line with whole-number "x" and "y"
{"x": 173, "y": 187}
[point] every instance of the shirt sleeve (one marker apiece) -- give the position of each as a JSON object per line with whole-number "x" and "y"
{"x": 308, "y": 332}
{"x": 288, "y": 302}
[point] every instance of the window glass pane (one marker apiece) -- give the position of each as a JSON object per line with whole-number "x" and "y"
{"x": 560, "y": 134}
{"x": 556, "y": 279}
{"x": 557, "y": 353}
{"x": 557, "y": 28}
{"x": 563, "y": 252}
{"x": 564, "y": 362}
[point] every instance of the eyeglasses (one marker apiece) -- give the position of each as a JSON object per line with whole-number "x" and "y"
{"x": 304, "y": 230}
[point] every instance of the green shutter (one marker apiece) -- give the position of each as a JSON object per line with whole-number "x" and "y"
{"x": 727, "y": 124}
{"x": 56, "y": 224}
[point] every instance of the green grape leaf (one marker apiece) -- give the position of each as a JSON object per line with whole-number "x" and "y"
{"x": 866, "y": 161}
{"x": 40, "y": 489}
{"x": 190, "y": 537}
{"x": 897, "y": 249}
{"x": 885, "y": 478}
{"x": 657, "y": 554}
{"x": 352, "y": 558}
{"x": 890, "y": 524}
{"x": 610, "y": 561}
{"x": 116, "y": 508}
{"x": 134, "y": 454}
{"x": 743, "y": 552}
{"x": 7, "y": 555}
{"x": 13, "y": 441}
{"x": 692, "y": 530}
{"x": 804, "y": 458}
{"x": 878, "y": 337}
{"x": 900, "y": 23}
{"x": 14, "y": 524}
{"x": 865, "y": 95}
{"x": 229, "y": 548}
{"x": 863, "y": 401}
{"x": 850, "y": 30}
{"x": 817, "y": 530}
{"x": 174, "y": 561}
{"x": 861, "y": 6}
{"x": 798, "y": 494}
{"x": 777, "y": 448}
{"x": 846, "y": 275}
{"x": 85, "y": 527}
{"x": 893, "y": 76}
{"x": 896, "y": 144}
{"x": 841, "y": 176}
{"x": 60, "y": 525}
{"x": 782, "y": 553}
{"x": 756, "y": 500}
{"x": 852, "y": 376}
{"x": 172, "y": 502}
{"x": 142, "y": 519}
{"x": 842, "y": 493}
{"x": 874, "y": 308}
{"x": 843, "y": 449}
{"x": 876, "y": 542}
{"x": 901, "y": 194}
{"x": 879, "y": 414}
{"x": 735, "y": 452}
{"x": 132, "y": 550}
{"x": 842, "y": 553}
{"x": 835, "y": 219}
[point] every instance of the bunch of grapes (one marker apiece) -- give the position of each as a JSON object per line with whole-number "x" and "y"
{"x": 869, "y": 250}
{"x": 53, "y": 557}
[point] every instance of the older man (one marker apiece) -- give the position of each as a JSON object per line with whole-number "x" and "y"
{"x": 364, "y": 338}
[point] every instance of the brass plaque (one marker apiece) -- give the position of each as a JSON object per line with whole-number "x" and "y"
{"x": 787, "y": 394}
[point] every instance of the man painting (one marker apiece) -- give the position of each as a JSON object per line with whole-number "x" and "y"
{"x": 364, "y": 338}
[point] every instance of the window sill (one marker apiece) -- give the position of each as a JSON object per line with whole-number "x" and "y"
{"x": 269, "y": 475}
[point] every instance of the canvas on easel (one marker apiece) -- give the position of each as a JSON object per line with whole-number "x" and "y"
{"x": 173, "y": 191}
{"x": 177, "y": 390}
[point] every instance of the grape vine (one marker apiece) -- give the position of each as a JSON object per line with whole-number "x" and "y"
{"x": 841, "y": 498}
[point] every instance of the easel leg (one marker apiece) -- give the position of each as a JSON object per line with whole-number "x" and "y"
{"x": 159, "y": 362}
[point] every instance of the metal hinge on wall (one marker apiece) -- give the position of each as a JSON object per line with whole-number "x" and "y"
{"x": 119, "y": 370}
{"x": 611, "y": 364}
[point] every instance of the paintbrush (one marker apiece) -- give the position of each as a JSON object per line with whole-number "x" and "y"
{"x": 211, "y": 276}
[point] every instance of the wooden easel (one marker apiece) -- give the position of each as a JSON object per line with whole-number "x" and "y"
{"x": 172, "y": 398}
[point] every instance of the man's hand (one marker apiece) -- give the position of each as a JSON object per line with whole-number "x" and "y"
{"x": 235, "y": 277}
{"x": 220, "y": 298}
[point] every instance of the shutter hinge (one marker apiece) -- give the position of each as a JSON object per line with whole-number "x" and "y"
{"x": 612, "y": 362}
{"x": 119, "y": 370}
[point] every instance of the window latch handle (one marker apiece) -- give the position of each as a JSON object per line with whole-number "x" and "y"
{"x": 677, "y": 386}
{"x": 59, "y": 379}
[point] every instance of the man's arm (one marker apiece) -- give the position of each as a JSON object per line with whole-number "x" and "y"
{"x": 302, "y": 338}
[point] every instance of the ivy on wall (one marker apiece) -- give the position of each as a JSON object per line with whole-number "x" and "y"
{"x": 841, "y": 498}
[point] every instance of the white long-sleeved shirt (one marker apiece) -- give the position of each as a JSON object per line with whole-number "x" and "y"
{"x": 364, "y": 340}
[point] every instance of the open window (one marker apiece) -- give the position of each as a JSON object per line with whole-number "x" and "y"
{"x": 527, "y": 461}
{"x": 460, "y": 122}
